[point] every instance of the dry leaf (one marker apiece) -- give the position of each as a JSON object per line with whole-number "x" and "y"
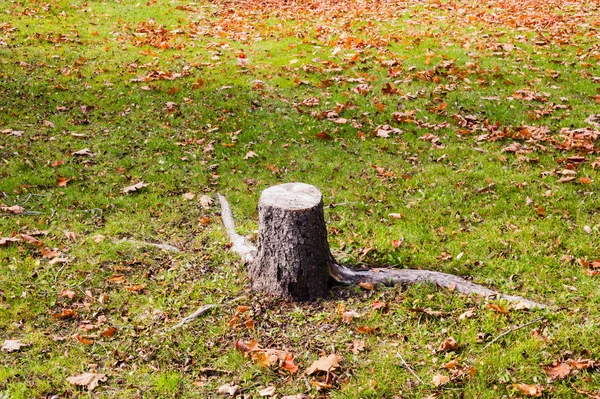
{"x": 250, "y": 154}
{"x": 58, "y": 260}
{"x": 289, "y": 365}
{"x": 16, "y": 209}
{"x": 557, "y": 370}
{"x": 67, "y": 293}
{"x": 12, "y": 345}
{"x": 497, "y": 308}
{"x": 62, "y": 182}
{"x": 227, "y": 389}
{"x": 188, "y": 196}
{"x": 109, "y": 332}
{"x": 134, "y": 187}
{"x": 84, "y": 152}
{"x": 358, "y": 346}
{"x": 452, "y": 364}
{"x": 325, "y": 363}
{"x": 268, "y": 391}
{"x": 206, "y": 201}
{"x": 88, "y": 380}
{"x": 449, "y": 344}
{"x": 582, "y": 364}
{"x": 66, "y": 313}
{"x": 6, "y": 240}
{"x": 69, "y": 235}
{"x": 439, "y": 379}
{"x": 529, "y": 390}
{"x": 348, "y": 316}
{"x": 366, "y": 285}
{"x": 30, "y": 239}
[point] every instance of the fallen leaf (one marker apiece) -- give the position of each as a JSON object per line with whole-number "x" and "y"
{"x": 529, "y": 390}
{"x": 206, "y": 201}
{"x": 497, "y": 308}
{"x": 348, "y": 316}
{"x": 84, "y": 152}
{"x": 358, "y": 346}
{"x": 63, "y": 181}
{"x": 6, "y": 240}
{"x": 365, "y": 330}
{"x": 557, "y": 370}
{"x": 366, "y": 285}
{"x": 31, "y": 240}
{"x": 250, "y": 154}
{"x": 188, "y": 196}
{"x": 378, "y": 305}
{"x": 268, "y": 391}
{"x": 585, "y": 180}
{"x": 134, "y": 187}
{"x": 58, "y": 260}
{"x": 69, "y": 235}
{"x": 12, "y": 345}
{"x": 440, "y": 379}
{"x": 324, "y": 363}
{"x": 16, "y": 209}
{"x": 451, "y": 364}
{"x": 65, "y": 314}
{"x": 83, "y": 340}
{"x": 109, "y": 332}
{"x": 449, "y": 344}
{"x": 67, "y": 293}
{"x": 288, "y": 364}
{"x": 88, "y": 380}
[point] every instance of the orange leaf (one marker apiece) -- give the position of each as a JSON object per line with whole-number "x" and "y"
{"x": 65, "y": 314}
{"x": 366, "y": 285}
{"x": 365, "y": 330}
{"x": 497, "y": 308}
{"x": 585, "y": 180}
{"x": 449, "y": 344}
{"x": 440, "y": 379}
{"x": 83, "y": 340}
{"x": 63, "y": 181}
{"x": 288, "y": 364}
{"x": 109, "y": 332}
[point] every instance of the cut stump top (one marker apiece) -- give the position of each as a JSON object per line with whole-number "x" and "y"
{"x": 291, "y": 196}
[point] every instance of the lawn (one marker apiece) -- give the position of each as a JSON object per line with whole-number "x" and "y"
{"x": 459, "y": 136}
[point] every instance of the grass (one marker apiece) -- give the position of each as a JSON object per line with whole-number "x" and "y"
{"x": 177, "y": 94}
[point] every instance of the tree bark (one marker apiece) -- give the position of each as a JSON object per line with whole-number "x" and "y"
{"x": 293, "y": 254}
{"x": 293, "y": 259}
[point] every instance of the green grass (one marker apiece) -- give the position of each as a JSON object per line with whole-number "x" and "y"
{"x": 77, "y": 75}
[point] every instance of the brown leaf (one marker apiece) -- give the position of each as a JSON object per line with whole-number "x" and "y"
{"x": 323, "y": 136}
{"x": 116, "y": 278}
{"x": 109, "y": 332}
{"x": 6, "y": 240}
{"x": 529, "y": 390}
{"x": 88, "y": 380}
{"x": 348, "y": 316}
{"x": 557, "y": 370}
{"x": 16, "y": 209}
{"x": 70, "y": 235}
{"x": 366, "y": 285}
{"x": 582, "y": 364}
{"x": 365, "y": 330}
{"x": 250, "y": 154}
{"x": 227, "y": 389}
{"x": 440, "y": 379}
{"x": 206, "y": 201}
{"x": 324, "y": 363}
{"x": 12, "y": 345}
{"x": 31, "y": 240}
{"x": 585, "y": 180}
{"x": 449, "y": 344}
{"x": 188, "y": 196}
{"x": 67, "y": 293}
{"x": 134, "y": 187}
{"x": 358, "y": 346}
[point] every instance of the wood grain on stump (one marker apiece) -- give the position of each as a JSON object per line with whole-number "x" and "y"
{"x": 293, "y": 254}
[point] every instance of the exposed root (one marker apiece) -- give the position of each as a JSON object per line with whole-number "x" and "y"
{"x": 346, "y": 275}
{"x": 241, "y": 245}
{"x": 201, "y": 310}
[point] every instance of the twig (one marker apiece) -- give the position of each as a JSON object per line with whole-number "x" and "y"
{"x": 512, "y": 330}
{"x": 201, "y": 310}
{"x": 408, "y": 367}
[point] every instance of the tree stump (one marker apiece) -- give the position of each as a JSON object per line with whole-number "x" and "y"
{"x": 293, "y": 254}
